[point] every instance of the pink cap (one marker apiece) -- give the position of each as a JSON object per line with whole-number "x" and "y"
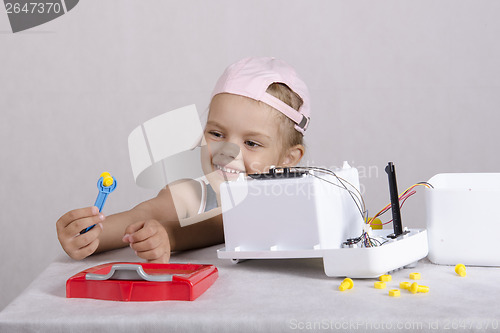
{"x": 250, "y": 77}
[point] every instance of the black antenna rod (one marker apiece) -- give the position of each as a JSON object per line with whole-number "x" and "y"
{"x": 393, "y": 190}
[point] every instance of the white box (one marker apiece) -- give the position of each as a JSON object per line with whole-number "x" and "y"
{"x": 309, "y": 217}
{"x": 463, "y": 218}
{"x": 284, "y": 215}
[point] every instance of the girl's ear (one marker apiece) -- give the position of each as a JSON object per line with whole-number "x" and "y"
{"x": 292, "y": 156}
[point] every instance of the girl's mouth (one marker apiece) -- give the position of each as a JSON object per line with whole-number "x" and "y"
{"x": 226, "y": 172}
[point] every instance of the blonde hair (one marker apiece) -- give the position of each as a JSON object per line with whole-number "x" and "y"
{"x": 291, "y": 137}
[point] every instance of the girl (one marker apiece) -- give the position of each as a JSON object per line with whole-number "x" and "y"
{"x": 258, "y": 115}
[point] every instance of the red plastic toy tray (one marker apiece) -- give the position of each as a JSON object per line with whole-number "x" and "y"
{"x": 122, "y": 281}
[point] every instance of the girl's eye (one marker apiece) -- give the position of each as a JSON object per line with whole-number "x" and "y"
{"x": 215, "y": 134}
{"x": 252, "y": 144}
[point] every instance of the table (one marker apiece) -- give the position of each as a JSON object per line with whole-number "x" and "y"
{"x": 265, "y": 296}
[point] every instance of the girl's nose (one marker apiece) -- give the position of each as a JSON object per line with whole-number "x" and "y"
{"x": 229, "y": 149}
{"x": 224, "y": 152}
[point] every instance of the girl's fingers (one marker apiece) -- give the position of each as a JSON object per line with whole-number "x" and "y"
{"x": 76, "y": 214}
{"x": 84, "y": 240}
{"x": 155, "y": 255}
{"x": 149, "y": 240}
{"x": 86, "y": 251}
{"x": 142, "y": 230}
{"x": 134, "y": 227}
{"x": 147, "y": 244}
{"x": 77, "y": 226}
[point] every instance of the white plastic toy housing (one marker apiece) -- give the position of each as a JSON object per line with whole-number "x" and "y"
{"x": 371, "y": 262}
{"x": 309, "y": 218}
{"x": 461, "y": 216}
{"x": 294, "y": 214}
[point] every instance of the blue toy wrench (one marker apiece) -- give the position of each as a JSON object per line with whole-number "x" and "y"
{"x": 106, "y": 184}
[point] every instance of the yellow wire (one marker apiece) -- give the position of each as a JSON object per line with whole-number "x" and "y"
{"x": 409, "y": 188}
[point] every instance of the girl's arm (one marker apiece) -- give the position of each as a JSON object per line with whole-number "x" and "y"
{"x": 151, "y": 228}
{"x": 207, "y": 228}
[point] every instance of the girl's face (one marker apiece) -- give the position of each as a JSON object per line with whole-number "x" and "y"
{"x": 242, "y": 136}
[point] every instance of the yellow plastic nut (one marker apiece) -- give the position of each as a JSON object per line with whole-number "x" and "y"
{"x": 394, "y": 293}
{"x": 415, "y": 288}
{"x": 379, "y": 285}
{"x": 405, "y": 285}
{"x": 376, "y": 224}
{"x": 346, "y": 284}
{"x": 385, "y": 278}
{"x": 460, "y": 270}
{"x": 415, "y": 276}
{"x": 107, "y": 180}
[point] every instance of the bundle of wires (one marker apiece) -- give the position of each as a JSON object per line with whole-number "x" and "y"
{"x": 344, "y": 184}
{"x": 356, "y": 196}
{"x": 402, "y": 199}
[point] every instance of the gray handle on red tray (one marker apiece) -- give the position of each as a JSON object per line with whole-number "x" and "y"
{"x": 128, "y": 272}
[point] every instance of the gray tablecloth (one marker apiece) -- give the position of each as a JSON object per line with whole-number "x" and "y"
{"x": 265, "y": 296}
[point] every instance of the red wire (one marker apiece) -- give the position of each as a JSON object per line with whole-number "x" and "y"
{"x": 402, "y": 199}
{"x": 406, "y": 196}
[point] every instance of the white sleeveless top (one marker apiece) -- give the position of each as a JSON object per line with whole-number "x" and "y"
{"x": 208, "y": 197}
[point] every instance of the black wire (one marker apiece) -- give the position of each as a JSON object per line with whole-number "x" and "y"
{"x": 349, "y": 191}
{"x": 345, "y": 187}
{"x": 425, "y": 183}
{"x": 367, "y": 240}
{"x": 327, "y": 171}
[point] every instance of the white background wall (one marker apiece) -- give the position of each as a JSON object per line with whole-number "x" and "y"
{"x": 414, "y": 82}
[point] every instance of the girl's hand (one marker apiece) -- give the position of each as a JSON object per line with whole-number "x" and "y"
{"x": 76, "y": 245}
{"x": 149, "y": 240}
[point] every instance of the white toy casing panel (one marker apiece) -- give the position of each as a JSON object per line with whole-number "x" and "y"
{"x": 462, "y": 213}
{"x": 371, "y": 262}
{"x": 290, "y": 214}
